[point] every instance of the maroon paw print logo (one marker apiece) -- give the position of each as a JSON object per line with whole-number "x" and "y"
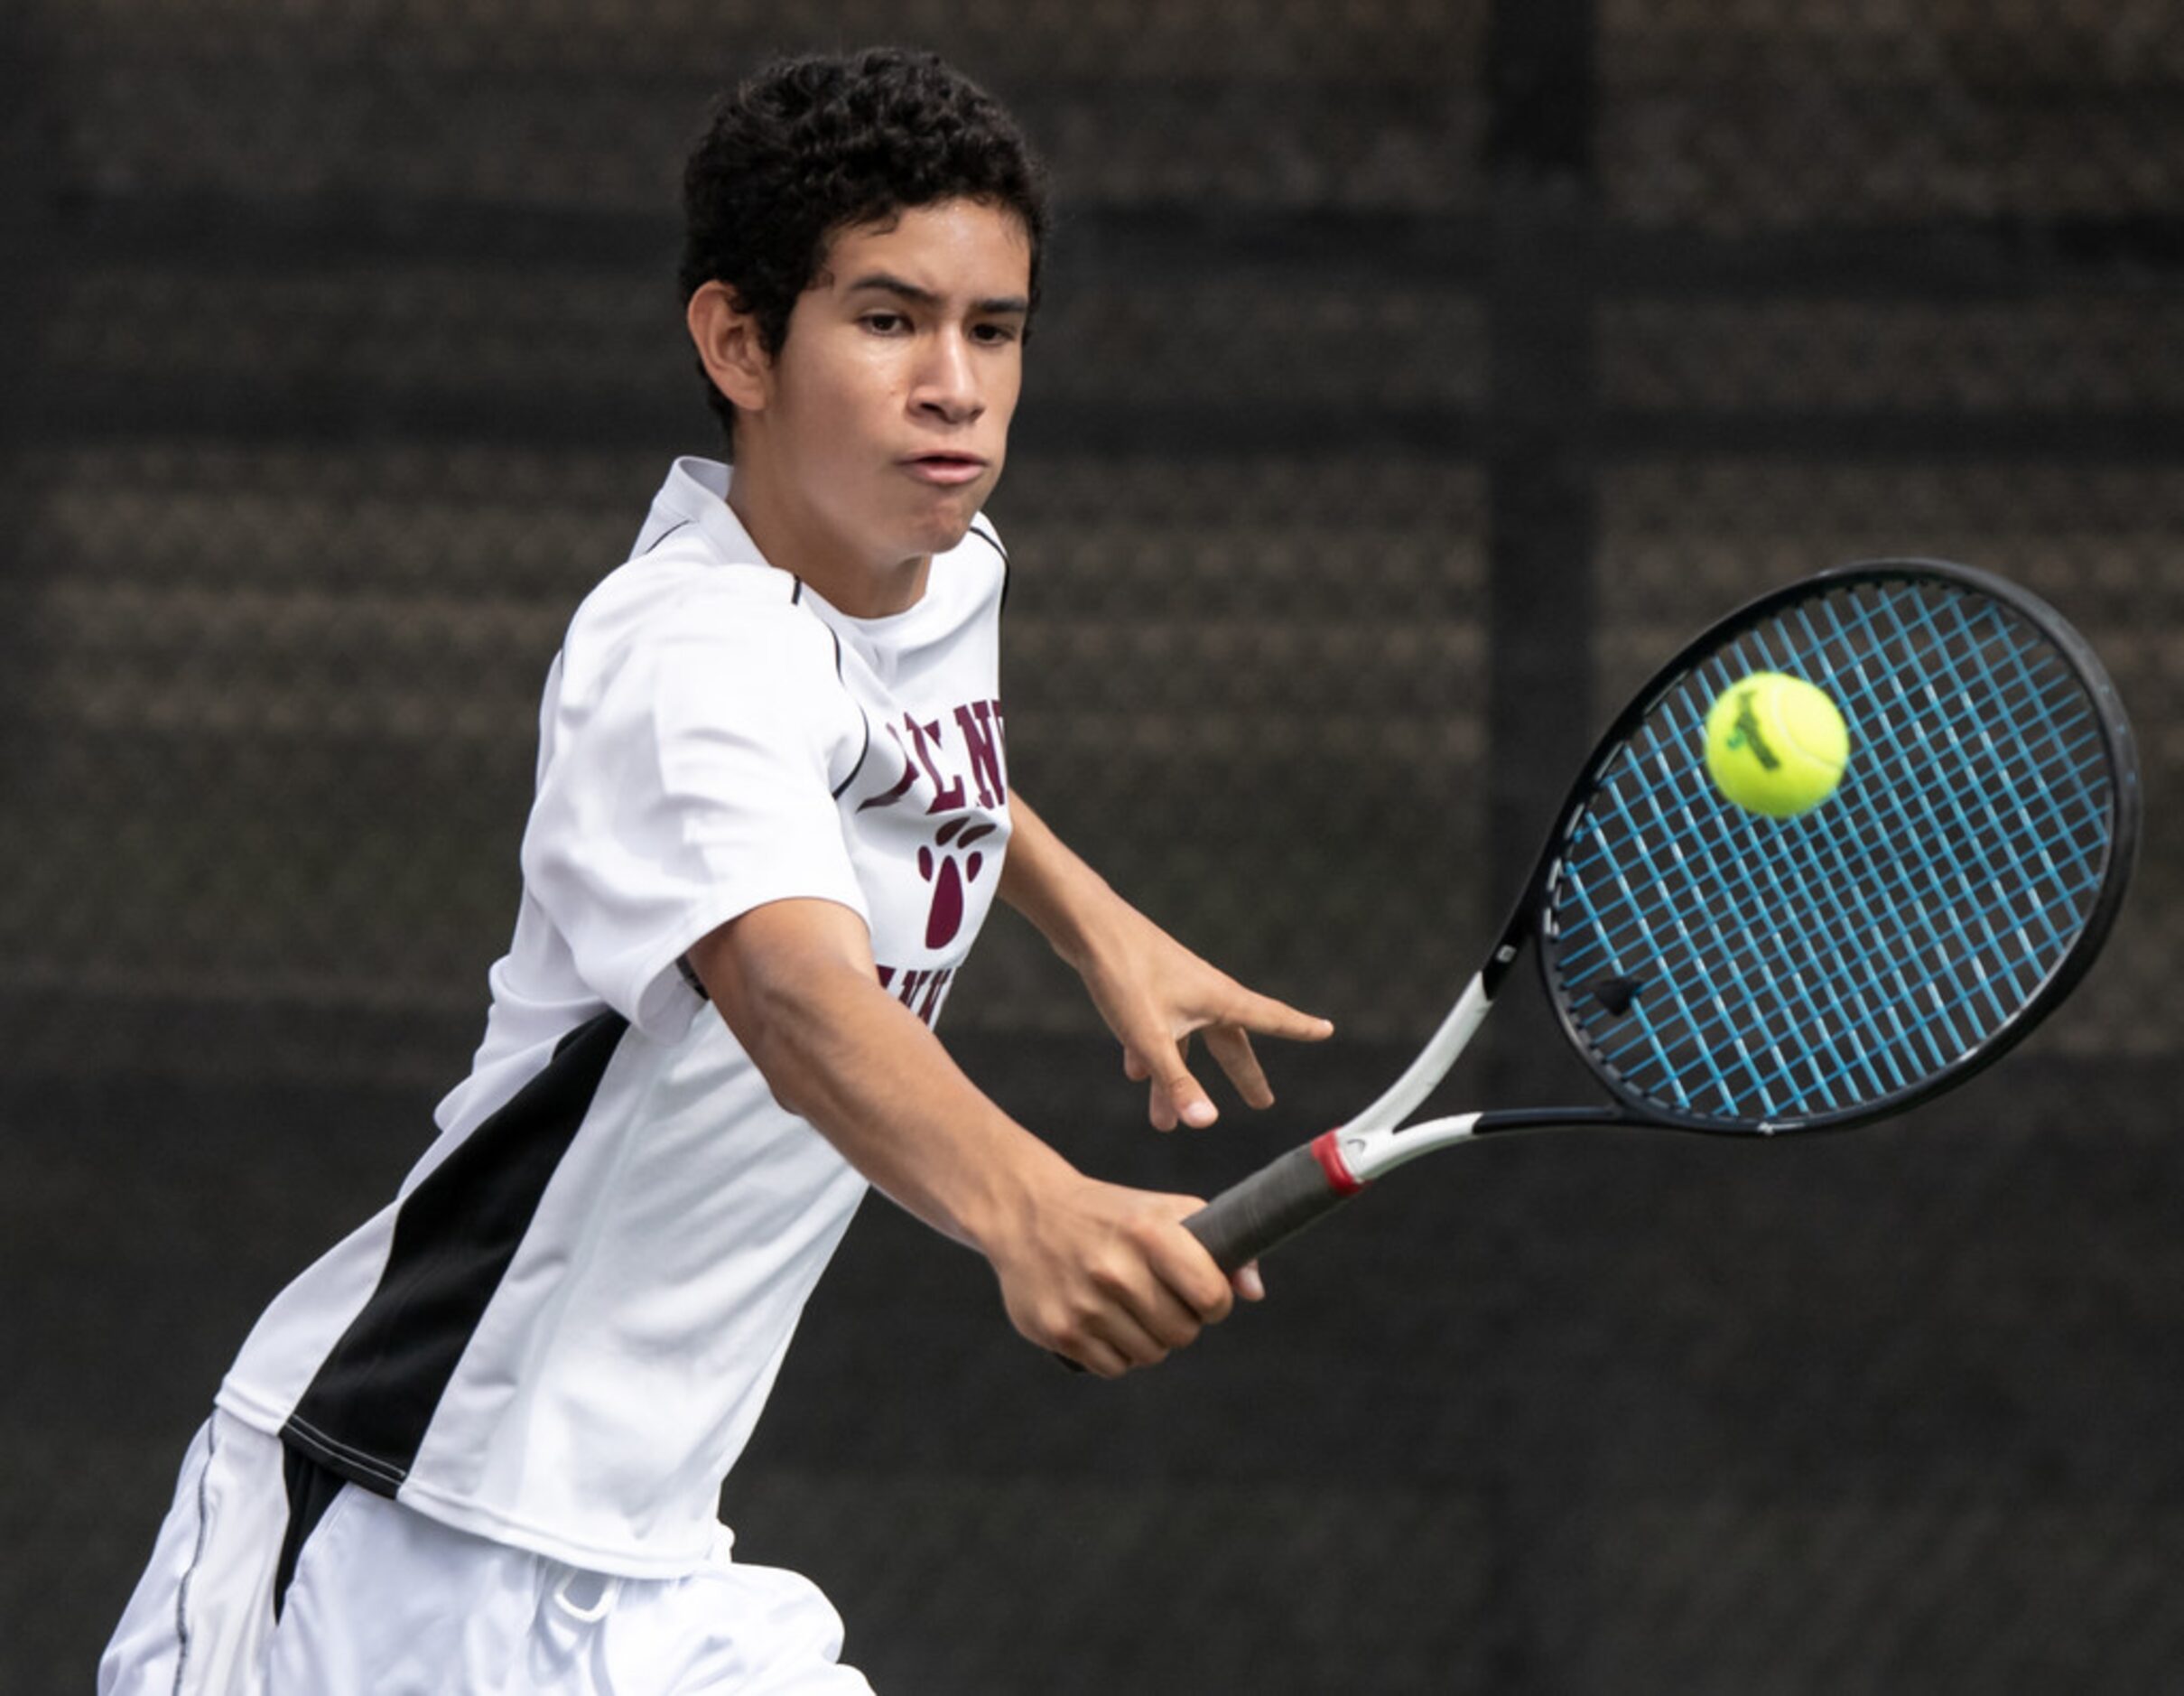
{"x": 948, "y": 870}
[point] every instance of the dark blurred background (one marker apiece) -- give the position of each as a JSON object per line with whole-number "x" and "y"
{"x": 1416, "y": 375}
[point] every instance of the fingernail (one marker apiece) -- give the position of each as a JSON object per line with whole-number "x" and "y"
{"x": 1199, "y": 1113}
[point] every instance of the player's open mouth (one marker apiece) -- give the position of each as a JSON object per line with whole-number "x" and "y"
{"x": 947, "y": 469}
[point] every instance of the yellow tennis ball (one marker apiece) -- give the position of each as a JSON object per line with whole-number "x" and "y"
{"x": 1775, "y": 744}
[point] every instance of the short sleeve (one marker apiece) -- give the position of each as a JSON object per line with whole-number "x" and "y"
{"x": 687, "y": 775}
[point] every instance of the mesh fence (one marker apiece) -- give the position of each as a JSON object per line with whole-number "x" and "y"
{"x": 1415, "y": 375}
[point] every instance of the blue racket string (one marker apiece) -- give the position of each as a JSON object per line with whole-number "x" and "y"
{"x": 1918, "y": 1003}
{"x": 1735, "y": 967}
{"x": 1769, "y": 889}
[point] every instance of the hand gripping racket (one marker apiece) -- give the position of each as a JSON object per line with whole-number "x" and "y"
{"x": 1722, "y": 971}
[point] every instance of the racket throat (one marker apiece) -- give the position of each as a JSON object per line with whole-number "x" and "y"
{"x": 1364, "y": 1155}
{"x": 1408, "y": 1092}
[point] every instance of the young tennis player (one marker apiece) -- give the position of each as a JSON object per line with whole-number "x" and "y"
{"x": 479, "y": 1444}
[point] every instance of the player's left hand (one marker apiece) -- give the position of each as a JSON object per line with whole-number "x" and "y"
{"x": 1156, "y": 995}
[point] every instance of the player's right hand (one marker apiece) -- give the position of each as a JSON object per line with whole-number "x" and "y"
{"x": 1107, "y": 1277}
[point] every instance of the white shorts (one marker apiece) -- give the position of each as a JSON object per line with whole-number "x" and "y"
{"x": 386, "y": 1602}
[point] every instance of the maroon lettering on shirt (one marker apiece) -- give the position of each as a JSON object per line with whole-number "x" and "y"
{"x": 922, "y": 991}
{"x": 947, "y": 792}
{"x": 974, "y": 757}
{"x": 980, "y": 723}
{"x": 902, "y": 784}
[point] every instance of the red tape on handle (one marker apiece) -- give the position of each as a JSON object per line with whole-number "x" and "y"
{"x": 1327, "y": 1150}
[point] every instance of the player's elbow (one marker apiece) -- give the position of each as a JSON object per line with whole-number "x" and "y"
{"x": 778, "y": 980}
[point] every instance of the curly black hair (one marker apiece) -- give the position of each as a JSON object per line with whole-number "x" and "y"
{"x": 810, "y": 145}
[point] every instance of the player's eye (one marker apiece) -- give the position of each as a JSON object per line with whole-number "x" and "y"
{"x": 885, "y": 324}
{"x": 996, "y": 334}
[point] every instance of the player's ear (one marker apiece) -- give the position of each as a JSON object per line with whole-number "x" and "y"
{"x": 730, "y": 346}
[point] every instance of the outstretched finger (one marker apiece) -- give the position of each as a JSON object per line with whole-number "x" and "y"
{"x": 1270, "y": 1018}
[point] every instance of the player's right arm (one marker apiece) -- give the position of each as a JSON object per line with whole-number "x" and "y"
{"x": 1101, "y": 1273}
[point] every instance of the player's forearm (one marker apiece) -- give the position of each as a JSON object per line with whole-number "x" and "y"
{"x": 1153, "y": 992}
{"x": 1044, "y": 879}
{"x": 839, "y": 1051}
{"x": 1103, "y": 1274}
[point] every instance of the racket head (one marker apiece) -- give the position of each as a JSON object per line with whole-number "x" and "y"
{"x": 1720, "y": 969}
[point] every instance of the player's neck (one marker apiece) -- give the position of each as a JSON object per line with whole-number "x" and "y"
{"x": 796, "y": 539}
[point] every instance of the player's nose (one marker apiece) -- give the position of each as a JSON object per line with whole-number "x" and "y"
{"x": 949, "y": 386}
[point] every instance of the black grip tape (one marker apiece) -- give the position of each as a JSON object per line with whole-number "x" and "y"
{"x": 1271, "y": 1205}
{"x": 1274, "y": 1203}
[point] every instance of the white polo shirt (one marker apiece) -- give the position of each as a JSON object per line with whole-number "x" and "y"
{"x": 561, "y": 1332}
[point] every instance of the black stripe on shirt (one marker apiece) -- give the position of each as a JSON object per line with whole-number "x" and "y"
{"x": 669, "y": 531}
{"x": 865, "y": 753}
{"x": 365, "y": 1412}
{"x": 994, "y": 542}
{"x": 312, "y": 1489}
{"x": 990, "y": 540}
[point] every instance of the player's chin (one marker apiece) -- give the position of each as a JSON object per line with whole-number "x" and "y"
{"x": 944, "y": 519}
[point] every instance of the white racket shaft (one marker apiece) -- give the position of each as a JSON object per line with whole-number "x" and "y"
{"x": 1287, "y": 1194}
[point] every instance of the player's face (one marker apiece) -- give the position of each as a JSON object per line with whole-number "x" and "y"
{"x": 885, "y": 416}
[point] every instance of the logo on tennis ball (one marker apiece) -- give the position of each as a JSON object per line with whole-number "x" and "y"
{"x": 1776, "y": 744}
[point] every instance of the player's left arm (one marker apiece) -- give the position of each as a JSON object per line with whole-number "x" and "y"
{"x": 1154, "y": 992}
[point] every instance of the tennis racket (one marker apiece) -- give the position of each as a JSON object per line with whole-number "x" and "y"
{"x": 1722, "y": 971}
